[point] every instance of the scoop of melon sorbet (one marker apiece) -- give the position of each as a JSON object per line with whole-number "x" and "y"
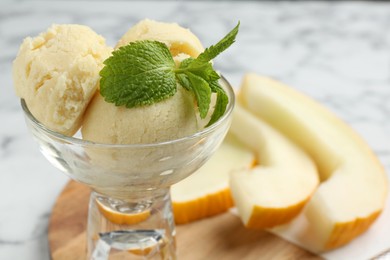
{"x": 170, "y": 119}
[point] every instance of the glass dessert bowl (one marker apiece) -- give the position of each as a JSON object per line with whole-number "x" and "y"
{"x": 130, "y": 213}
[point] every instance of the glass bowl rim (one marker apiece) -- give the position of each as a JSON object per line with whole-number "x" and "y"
{"x": 81, "y": 142}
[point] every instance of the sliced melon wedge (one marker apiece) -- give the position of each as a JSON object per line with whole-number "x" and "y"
{"x": 354, "y": 186}
{"x": 206, "y": 193}
{"x": 274, "y": 192}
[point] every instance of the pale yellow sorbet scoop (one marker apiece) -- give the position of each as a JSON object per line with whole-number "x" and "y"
{"x": 169, "y": 119}
{"x": 57, "y": 74}
{"x": 178, "y": 39}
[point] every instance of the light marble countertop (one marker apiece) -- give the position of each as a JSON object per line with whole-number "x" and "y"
{"x": 338, "y": 53}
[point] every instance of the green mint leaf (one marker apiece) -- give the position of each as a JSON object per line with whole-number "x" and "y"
{"x": 185, "y": 63}
{"x": 140, "y": 73}
{"x": 221, "y": 103}
{"x": 202, "y": 93}
{"x": 183, "y": 81}
{"x": 214, "y": 50}
{"x": 205, "y": 71}
{"x": 200, "y": 71}
{"x": 216, "y": 87}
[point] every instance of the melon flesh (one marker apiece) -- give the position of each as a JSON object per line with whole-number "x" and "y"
{"x": 354, "y": 186}
{"x": 206, "y": 192}
{"x": 274, "y": 192}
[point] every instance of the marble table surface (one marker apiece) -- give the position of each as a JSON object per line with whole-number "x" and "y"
{"x": 336, "y": 52}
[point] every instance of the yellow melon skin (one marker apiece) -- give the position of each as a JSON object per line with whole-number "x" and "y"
{"x": 203, "y": 207}
{"x": 343, "y": 233}
{"x": 122, "y": 218}
{"x": 263, "y": 218}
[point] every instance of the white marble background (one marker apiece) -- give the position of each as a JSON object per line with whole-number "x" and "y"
{"x": 336, "y": 52}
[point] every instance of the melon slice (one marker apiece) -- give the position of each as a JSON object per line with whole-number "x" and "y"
{"x": 354, "y": 186}
{"x": 121, "y": 218}
{"x": 206, "y": 193}
{"x": 274, "y": 192}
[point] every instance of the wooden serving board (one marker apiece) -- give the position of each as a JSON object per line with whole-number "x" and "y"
{"x": 219, "y": 237}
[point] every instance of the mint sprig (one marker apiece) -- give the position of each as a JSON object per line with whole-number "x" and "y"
{"x": 138, "y": 74}
{"x": 144, "y": 72}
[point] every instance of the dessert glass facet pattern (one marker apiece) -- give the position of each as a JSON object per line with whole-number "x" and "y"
{"x": 130, "y": 213}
